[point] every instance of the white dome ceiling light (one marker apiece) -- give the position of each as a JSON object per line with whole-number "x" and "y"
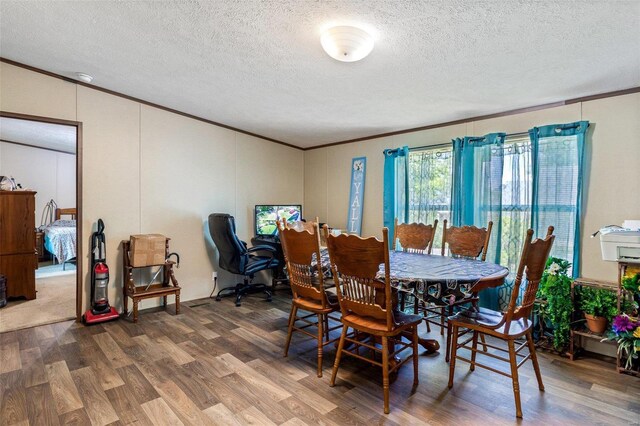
{"x": 84, "y": 77}
{"x": 346, "y": 43}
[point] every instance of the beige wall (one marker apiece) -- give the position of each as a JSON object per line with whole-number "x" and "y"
{"x": 146, "y": 170}
{"x": 50, "y": 173}
{"x": 611, "y": 179}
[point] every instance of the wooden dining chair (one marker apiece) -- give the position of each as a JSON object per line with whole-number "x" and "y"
{"x": 366, "y": 304}
{"x": 413, "y": 238}
{"x": 510, "y": 325}
{"x": 468, "y": 242}
{"x": 307, "y": 286}
{"x": 301, "y": 225}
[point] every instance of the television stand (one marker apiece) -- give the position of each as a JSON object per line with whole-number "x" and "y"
{"x": 279, "y": 275}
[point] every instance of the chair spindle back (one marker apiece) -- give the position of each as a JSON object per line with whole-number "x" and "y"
{"x": 532, "y": 263}
{"x": 300, "y": 248}
{"x": 355, "y": 263}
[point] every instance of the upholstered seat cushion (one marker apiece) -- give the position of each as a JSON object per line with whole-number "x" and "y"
{"x": 486, "y": 320}
{"x": 403, "y": 321}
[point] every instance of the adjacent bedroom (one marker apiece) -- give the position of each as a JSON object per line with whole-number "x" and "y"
{"x": 38, "y": 160}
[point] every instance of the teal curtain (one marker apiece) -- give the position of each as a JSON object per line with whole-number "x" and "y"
{"x": 456, "y": 182}
{"x": 477, "y": 189}
{"x": 558, "y": 156}
{"x": 395, "y": 187}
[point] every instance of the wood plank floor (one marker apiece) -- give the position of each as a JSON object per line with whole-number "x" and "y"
{"x": 218, "y": 364}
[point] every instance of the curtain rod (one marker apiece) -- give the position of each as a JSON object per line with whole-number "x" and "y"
{"x": 448, "y": 145}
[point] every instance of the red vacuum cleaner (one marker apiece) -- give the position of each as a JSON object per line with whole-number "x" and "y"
{"x": 100, "y": 310}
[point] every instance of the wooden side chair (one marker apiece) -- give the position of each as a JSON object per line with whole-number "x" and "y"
{"x": 510, "y": 325}
{"x": 367, "y": 306}
{"x": 413, "y": 238}
{"x": 466, "y": 241}
{"x": 461, "y": 241}
{"x": 303, "y": 226}
{"x": 299, "y": 248}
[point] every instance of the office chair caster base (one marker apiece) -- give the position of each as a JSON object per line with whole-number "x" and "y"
{"x": 243, "y": 289}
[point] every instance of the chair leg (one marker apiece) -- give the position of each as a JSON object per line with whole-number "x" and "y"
{"x": 446, "y": 356}
{"x": 292, "y": 320}
{"x": 320, "y": 334}
{"x": 336, "y": 363}
{"x": 474, "y": 345}
{"x": 415, "y": 356}
{"x": 452, "y": 360}
{"x": 513, "y": 361}
{"x": 385, "y": 372}
{"x": 403, "y": 296}
{"x": 534, "y": 359}
{"x": 442, "y": 321}
{"x": 326, "y": 325}
{"x": 484, "y": 344}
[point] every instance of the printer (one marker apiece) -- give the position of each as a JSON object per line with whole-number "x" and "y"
{"x": 621, "y": 243}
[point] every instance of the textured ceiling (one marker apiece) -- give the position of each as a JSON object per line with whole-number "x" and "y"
{"x": 36, "y": 133}
{"x": 259, "y": 66}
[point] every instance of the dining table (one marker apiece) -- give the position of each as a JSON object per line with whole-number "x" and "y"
{"x": 436, "y": 280}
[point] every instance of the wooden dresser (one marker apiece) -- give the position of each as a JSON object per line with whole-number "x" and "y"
{"x": 18, "y": 261}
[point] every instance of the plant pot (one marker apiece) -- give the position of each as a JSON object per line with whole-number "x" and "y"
{"x": 596, "y": 324}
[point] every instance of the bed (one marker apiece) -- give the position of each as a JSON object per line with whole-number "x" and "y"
{"x": 60, "y": 236}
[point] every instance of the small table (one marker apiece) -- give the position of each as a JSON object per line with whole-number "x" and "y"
{"x": 168, "y": 286}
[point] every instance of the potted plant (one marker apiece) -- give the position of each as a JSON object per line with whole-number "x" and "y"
{"x": 599, "y": 307}
{"x": 625, "y": 331}
{"x": 555, "y": 290}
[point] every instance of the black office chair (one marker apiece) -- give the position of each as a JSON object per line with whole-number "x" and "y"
{"x": 236, "y": 258}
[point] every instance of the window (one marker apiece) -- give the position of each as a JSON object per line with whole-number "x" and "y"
{"x": 430, "y": 174}
{"x": 517, "y": 183}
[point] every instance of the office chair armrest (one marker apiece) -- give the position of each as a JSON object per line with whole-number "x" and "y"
{"x": 261, "y": 248}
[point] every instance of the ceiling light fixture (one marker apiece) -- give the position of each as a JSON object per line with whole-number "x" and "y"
{"x": 346, "y": 43}
{"x": 86, "y": 78}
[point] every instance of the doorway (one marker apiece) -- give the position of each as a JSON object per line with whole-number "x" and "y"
{"x": 43, "y": 156}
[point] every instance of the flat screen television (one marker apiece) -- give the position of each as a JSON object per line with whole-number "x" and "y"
{"x": 266, "y": 215}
